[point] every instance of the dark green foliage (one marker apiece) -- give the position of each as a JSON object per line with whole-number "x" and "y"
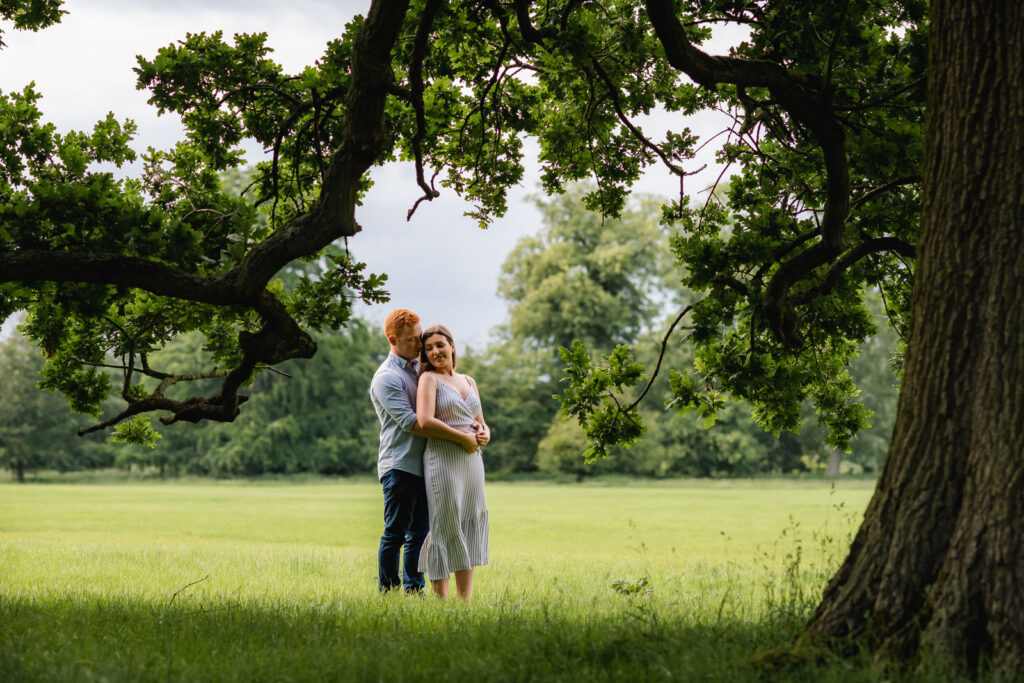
{"x": 875, "y": 370}
{"x": 581, "y": 277}
{"x": 320, "y": 419}
{"x": 112, "y": 270}
{"x": 30, "y": 15}
{"x": 824, "y": 205}
{"x": 36, "y": 429}
{"x": 603, "y": 421}
{"x": 717, "y": 439}
{"x": 825, "y": 147}
{"x": 317, "y": 419}
{"x": 517, "y": 403}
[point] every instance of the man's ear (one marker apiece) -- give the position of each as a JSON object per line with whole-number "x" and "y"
{"x": 391, "y": 339}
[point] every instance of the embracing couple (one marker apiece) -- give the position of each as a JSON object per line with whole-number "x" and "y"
{"x": 429, "y": 463}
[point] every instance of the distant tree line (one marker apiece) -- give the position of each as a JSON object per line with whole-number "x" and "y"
{"x": 581, "y": 277}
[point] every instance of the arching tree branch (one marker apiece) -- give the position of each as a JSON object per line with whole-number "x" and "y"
{"x": 530, "y": 33}
{"x": 35, "y": 265}
{"x": 661, "y": 355}
{"x": 850, "y": 257}
{"x": 802, "y": 96}
{"x": 419, "y": 53}
{"x": 362, "y": 141}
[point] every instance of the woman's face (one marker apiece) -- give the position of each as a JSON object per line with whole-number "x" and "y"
{"x": 438, "y": 351}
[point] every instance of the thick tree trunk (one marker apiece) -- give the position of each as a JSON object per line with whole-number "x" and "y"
{"x": 937, "y": 568}
{"x": 19, "y": 472}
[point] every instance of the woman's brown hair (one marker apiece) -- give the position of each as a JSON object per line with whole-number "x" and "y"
{"x": 425, "y": 365}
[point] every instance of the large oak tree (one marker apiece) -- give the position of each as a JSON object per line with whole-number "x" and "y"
{"x": 839, "y": 186}
{"x": 937, "y": 564}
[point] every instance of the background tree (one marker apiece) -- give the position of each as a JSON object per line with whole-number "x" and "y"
{"x": 116, "y": 268}
{"x": 319, "y": 419}
{"x": 876, "y": 371}
{"x": 580, "y": 277}
{"x": 586, "y": 277}
{"x": 518, "y": 401}
{"x": 607, "y": 281}
{"x": 36, "y": 429}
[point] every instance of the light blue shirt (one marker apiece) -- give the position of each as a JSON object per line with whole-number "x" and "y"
{"x": 393, "y": 392}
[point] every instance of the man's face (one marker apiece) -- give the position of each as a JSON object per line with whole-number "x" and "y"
{"x": 406, "y": 343}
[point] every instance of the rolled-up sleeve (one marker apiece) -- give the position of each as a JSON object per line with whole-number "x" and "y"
{"x": 388, "y": 391}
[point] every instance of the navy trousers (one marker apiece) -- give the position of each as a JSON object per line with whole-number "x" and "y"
{"x": 406, "y": 523}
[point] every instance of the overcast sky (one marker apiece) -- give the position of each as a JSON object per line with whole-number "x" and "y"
{"x": 441, "y": 264}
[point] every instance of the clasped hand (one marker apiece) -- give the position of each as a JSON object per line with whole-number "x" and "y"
{"x": 478, "y": 435}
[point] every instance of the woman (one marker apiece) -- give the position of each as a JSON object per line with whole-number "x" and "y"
{"x": 454, "y": 473}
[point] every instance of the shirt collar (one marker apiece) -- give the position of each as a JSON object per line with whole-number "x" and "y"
{"x": 413, "y": 364}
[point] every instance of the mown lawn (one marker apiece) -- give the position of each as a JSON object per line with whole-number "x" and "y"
{"x": 671, "y": 581}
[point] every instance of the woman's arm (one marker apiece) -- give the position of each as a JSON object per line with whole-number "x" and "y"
{"x": 483, "y": 432}
{"x": 428, "y": 425}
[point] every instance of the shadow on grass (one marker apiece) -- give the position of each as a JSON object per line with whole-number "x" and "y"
{"x": 392, "y": 638}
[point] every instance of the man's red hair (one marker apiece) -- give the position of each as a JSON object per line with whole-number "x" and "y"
{"x": 399, "y": 318}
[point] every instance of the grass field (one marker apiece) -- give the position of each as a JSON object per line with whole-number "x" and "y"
{"x": 276, "y": 581}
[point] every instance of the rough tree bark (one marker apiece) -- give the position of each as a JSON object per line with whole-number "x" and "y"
{"x": 936, "y": 569}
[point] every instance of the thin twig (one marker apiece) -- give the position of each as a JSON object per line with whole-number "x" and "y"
{"x": 885, "y": 187}
{"x": 274, "y": 370}
{"x": 661, "y": 356}
{"x": 889, "y": 315}
{"x": 871, "y": 104}
{"x": 416, "y": 88}
{"x": 830, "y": 60}
{"x": 614, "y": 92}
{"x": 187, "y": 585}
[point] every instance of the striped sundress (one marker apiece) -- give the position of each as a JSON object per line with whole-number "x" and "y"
{"x": 455, "y": 493}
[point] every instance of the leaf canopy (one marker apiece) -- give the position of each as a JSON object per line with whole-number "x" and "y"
{"x": 825, "y": 149}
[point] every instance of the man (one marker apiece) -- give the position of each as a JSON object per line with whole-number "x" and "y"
{"x": 400, "y": 457}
